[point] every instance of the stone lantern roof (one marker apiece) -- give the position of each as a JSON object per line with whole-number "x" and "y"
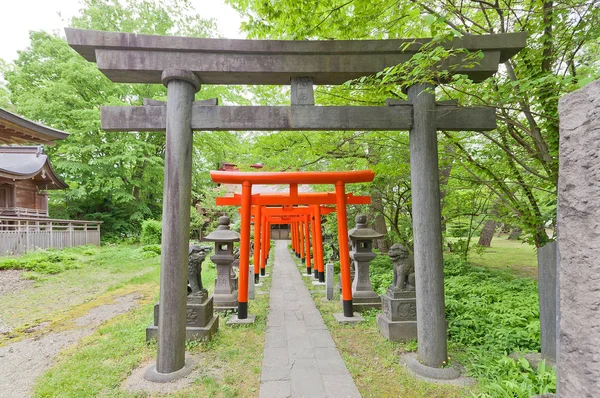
{"x": 361, "y": 231}
{"x": 223, "y": 233}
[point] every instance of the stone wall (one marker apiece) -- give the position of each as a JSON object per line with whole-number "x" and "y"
{"x": 579, "y": 243}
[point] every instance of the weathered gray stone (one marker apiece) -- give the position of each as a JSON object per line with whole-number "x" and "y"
{"x": 298, "y": 347}
{"x": 547, "y": 268}
{"x": 135, "y": 58}
{"x": 579, "y": 243}
{"x": 251, "y": 283}
{"x": 329, "y": 281}
{"x": 176, "y": 221}
{"x": 234, "y": 320}
{"x": 429, "y": 372}
{"x": 225, "y": 294}
{"x": 302, "y": 90}
{"x": 201, "y": 323}
{"x": 427, "y": 230}
{"x": 285, "y": 118}
{"x": 342, "y": 319}
{"x": 361, "y": 254}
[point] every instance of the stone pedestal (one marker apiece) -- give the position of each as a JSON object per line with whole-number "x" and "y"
{"x": 329, "y": 280}
{"x": 201, "y": 322}
{"x": 548, "y": 304}
{"x": 225, "y": 294}
{"x": 363, "y": 296}
{"x": 398, "y": 322}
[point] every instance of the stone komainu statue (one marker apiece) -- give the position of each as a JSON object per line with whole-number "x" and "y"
{"x": 195, "y": 260}
{"x": 404, "y": 269}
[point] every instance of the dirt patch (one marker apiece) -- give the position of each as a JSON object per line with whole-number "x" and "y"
{"x": 136, "y": 382}
{"x": 22, "y": 362}
{"x": 11, "y": 282}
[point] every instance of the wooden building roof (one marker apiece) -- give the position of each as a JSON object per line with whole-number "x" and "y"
{"x": 18, "y": 130}
{"x": 29, "y": 162}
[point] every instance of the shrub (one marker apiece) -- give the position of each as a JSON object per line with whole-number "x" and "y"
{"x": 43, "y": 261}
{"x": 151, "y": 232}
{"x": 151, "y": 251}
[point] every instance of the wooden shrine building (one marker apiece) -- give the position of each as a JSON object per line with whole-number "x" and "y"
{"x": 26, "y": 176}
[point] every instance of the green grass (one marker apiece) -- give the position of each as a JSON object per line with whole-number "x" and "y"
{"x": 96, "y": 271}
{"x": 229, "y": 365}
{"x": 512, "y": 256}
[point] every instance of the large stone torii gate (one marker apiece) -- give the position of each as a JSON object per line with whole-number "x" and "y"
{"x": 183, "y": 63}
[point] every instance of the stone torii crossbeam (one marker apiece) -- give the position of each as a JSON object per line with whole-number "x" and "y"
{"x": 183, "y": 63}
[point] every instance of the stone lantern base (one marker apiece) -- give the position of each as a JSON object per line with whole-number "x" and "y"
{"x": 201, "y": 322}
{"x": 224, "y": 301}
{"x": 398, "y": 322}
{"x": 362, "y": 301}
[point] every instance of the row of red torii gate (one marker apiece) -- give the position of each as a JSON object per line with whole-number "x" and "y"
{"x": 302, "y": 210}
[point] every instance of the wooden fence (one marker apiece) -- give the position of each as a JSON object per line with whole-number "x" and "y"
{"x": 19, "y": 235}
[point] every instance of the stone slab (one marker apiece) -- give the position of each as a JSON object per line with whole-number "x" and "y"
{"x": 191, "y": 332}
{"x": 348, "y": 320}
{"x": 299, "y": 350}
{"x": 306, "y": 118}
{"x": 234, "y": 320}
{"x": 136, "y": 58}
{"x": 547, "y": 270}
{"x": 398, "y": 330}
{"x": 275, "y": 389}
{"x": 579, "y": 243}
{"x": 329, "y": 280}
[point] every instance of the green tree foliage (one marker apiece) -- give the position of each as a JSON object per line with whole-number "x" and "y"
{"x": 151, "y": 232}
{"x": 518, "y": 162}
{"x": 114, "y": 177}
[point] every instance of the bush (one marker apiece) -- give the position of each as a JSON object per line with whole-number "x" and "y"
{"x": 43, "y": 262}
{"x": 151, "y": 251}
{"x": 381, "y": 273}
{"x": 151, "y": 232}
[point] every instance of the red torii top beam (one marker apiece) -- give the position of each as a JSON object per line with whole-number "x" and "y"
{"x": 293, "y": 177}
{"x": 339, "y": 179}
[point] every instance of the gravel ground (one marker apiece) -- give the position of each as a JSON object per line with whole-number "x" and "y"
{"x": 11, "y": 282}
{"x": 22, "y": 362}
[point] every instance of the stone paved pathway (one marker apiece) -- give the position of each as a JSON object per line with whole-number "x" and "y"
{"x": 300, "y": 358}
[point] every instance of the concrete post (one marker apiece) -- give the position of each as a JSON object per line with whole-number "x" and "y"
{"x": 181, "y": 86}
{"x": 547, "y": 267}
{"x": 429, "y": 264}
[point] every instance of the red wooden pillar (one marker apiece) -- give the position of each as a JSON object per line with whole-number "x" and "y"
{"x": 307, "y": 244}
{"x": 319, "y": 243}
{"x": 301, "y": 230}
{"x": 340, "y": 199}
{"x": 265, "y": 240}
{"x": 244, "y": 250}
{"x": 313, "y": 232}
{"x": 257, "y": 220}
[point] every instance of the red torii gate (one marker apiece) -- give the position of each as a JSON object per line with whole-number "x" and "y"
{"x": 291, "y": 215}
{"x": 293, "y": 179}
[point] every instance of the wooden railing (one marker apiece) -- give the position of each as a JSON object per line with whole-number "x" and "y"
{"x": 22, "y": 212}
{"x": 19, "y": 235}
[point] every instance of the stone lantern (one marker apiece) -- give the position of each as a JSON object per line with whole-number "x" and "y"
{"x": 225, "y": 294}
{"x": 363, "y": 296}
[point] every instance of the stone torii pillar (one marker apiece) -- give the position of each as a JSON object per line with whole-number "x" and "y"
{"x": 427, "y": 229}
{"x": 170, "y": 360}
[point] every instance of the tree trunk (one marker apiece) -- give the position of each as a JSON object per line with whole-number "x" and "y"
{"x": 446, "y": 163}
{"x": 515, "y": 233}
{"x": 379, "y": 224}
{"x": 487, "y": 233}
